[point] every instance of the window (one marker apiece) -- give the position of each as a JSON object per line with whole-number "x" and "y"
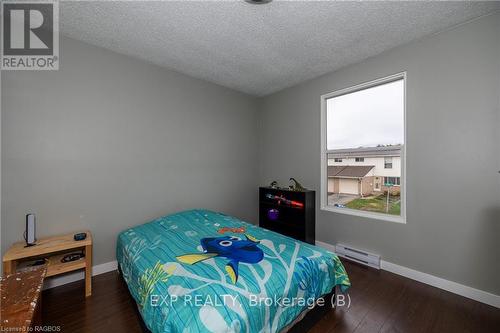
{"x": 338, "y": 160}
{"x": 392, "y": 181}
{"x": 387, "y": 162}
{"x": 366, "y": 120}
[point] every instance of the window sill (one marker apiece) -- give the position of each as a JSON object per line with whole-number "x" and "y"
{"x": 370, "y": 215}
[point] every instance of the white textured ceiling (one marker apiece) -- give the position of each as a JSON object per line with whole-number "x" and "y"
{"x": 258, "y": 49}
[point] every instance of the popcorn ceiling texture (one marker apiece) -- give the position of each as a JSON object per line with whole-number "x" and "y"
{"x": 258, "y": 49}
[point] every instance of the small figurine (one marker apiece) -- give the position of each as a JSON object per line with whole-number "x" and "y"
{"x": 274, "y": 184}
{"x": 296, "y": 186}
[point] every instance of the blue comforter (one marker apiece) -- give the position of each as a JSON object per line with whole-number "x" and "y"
{"x": 201, "y": 271}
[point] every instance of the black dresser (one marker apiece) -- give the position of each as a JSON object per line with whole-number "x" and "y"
{"x": 291, "y": 213}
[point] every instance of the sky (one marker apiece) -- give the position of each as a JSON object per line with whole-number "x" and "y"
{"x": 367, "y": 118}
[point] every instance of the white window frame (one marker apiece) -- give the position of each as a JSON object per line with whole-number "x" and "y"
{"x": 324, "y": 152}
{"x": 386, "y": 163}
{"x": 394, "y": 184}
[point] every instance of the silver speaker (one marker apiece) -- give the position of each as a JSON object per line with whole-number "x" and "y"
{"x": 29, "y": 234}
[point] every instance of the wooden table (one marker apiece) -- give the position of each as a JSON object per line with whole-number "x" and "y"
{"x": 53, "y": 249}
{"x": 21, "y": 297}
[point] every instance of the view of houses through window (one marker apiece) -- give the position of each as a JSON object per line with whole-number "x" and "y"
{"x": 364, "y": 148}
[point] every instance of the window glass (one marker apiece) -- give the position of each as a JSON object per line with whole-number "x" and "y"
{"x": 365, "y": 130}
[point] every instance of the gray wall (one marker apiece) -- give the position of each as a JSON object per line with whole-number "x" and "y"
{"x": 109, "y": 142}
{"x": 453, "y": 190}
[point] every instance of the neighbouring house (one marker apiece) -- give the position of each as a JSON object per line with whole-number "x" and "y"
{"x": 364, "y": 171}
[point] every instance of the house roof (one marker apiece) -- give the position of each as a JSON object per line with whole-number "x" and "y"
{"x": 366, "y": 152}
{"x": 351, "y": 171}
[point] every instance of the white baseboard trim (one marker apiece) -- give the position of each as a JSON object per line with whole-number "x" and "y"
{"x": 453, "y": 287}
{"x": 57, "y": 281}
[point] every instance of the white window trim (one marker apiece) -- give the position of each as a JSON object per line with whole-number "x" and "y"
{"x": 385, "y": 162}
{"x": 324, "y": 179}
{"x": 385, "y": 178}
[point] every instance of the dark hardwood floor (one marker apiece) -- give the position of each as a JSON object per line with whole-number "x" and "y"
{"x": 380, "y": 302}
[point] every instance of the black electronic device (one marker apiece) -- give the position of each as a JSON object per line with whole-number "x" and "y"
{"x": 39, "y": 262}
{"x": 80, "y": 236}
{"x": 73, "y": 256}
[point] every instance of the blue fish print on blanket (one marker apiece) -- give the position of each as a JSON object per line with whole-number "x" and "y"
{"x": 230, "y": 247}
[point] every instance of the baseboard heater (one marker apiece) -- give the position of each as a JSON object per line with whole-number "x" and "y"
{"x": 359, "y": 256}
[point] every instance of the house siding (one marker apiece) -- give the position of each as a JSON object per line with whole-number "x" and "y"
{"x": 379, "y": 170}
{"x": 377, "y": 162}
{"x": 366, "y": 184}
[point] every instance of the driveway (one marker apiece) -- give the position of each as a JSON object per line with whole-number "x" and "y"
{"x": 341, "y": 198}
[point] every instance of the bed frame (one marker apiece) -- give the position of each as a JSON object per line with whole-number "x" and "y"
{"x": 314, "y": 315}
{"x": 309, "y": 317}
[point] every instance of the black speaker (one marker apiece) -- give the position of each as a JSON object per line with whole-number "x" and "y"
{"x": 29, "y": 234}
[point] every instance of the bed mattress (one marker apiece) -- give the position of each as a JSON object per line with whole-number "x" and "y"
{"x": 202, "y": 271}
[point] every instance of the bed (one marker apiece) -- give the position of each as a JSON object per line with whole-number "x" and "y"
{"x": 202, "y": 271}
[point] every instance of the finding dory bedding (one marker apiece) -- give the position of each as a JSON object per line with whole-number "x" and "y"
{"x": 201, "y": 271}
